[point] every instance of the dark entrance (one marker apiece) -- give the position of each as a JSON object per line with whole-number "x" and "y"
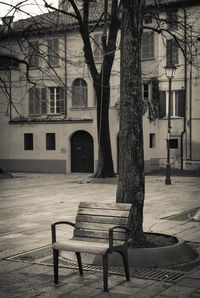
{"x": 82, "y": 155}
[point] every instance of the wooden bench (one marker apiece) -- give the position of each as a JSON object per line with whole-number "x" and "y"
{"x": 99, "y": 229}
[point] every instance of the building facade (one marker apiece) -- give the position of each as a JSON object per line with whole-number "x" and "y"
{"x": 48, "y": 102}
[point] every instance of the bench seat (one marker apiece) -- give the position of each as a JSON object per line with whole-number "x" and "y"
{"x": 82, "y": 246}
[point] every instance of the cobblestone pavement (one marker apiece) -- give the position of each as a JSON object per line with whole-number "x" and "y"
{"x": 30, "y": 202}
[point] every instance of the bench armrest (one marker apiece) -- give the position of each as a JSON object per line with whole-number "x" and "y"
{"x": 53, "y": 228}
{"x": 111, "y": 234}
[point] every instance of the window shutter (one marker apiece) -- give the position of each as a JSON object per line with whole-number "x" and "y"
{"x": 37, "y": 100}
{"x": 61, "y": 92}
{"x": 30, "y": 53}
{"x": 33, "y": 53}
{"x": 162, "y": 104}
{"x": 172, "y": 19}
{"x": 50, "y": 44}
{"x": 31, "y": 105}
{"x": 151, "y": 44}
{"x": 171, "y": 52}
{"x": 53, "y": 51}
{"x": 43, "y": 101}
{"x": 56, "y": 51}
{"x": 36, "y": 53}
{"x": 85, "y": 96}
{"x": 62, "y": 100}
{"x": 147, "y": 45}
{"x": 174, "y": 52}
{"x": 181, "y": 103}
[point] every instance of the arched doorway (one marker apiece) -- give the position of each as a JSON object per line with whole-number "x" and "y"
{"x": 82, "y": 152}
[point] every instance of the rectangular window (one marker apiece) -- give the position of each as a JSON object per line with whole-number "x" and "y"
{"x": 98, "y": 47}
{"x": 146, "y": 91}
{"x": 171, "y": 52}
{"x": 177, "y": 103}
{"x": 53, "y": 52}
{"x": 37, "y": 101}
{"x": 57, "y": 104}
{"x": 152, "y": 140}
{"x": 34, "y": 101}
{"x": 173, "y": 143}
{"x": 28, "y": 141}
{"x": 50, "y": 141}
{"x": 33, "y": 53}
{"x": 172, "y": 19}
{"x": 42, "y": 102}
{"x": 147, "y": 45}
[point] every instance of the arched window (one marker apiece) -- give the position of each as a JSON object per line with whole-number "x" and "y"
{"x": 79, "y": 93}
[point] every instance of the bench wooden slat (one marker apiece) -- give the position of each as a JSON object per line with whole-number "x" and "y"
{"x": 95, "y": 226}
{"x": 103, "y": 212}
{"x": 99, "y": 240}
{"x": 98, "y": 234}
{"x": 102, "y": 219}
{"x": 109, "y": 206}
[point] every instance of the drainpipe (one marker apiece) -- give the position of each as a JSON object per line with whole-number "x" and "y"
{"x": 10, "y": 92}
{"x": 190, "y": 116}
{"x": 185, "y": 85}
{"x": 65, "y": 80}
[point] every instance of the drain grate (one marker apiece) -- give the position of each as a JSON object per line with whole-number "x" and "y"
{"x": 186, "y": 215}
{"x": 147, "y": 273}
{"x": 43, "y": 256}
{"x": 194, "y": 245}
{"x": 158, "y": 274}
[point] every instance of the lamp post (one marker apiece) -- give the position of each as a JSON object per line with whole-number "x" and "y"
{"x": 170, "y": 71}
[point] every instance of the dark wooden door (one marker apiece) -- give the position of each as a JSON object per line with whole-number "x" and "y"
{"x": 82, "y": 155}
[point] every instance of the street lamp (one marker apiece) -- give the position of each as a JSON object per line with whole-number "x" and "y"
{"x": 170, "y": 72}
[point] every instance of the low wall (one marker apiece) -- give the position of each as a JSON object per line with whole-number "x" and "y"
{"x": 33, "y": 165}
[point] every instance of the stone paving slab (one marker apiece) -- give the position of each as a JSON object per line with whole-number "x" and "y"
{"x": 30, "y": 202}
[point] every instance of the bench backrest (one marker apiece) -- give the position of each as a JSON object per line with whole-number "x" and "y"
{"x": 94, "y": 219}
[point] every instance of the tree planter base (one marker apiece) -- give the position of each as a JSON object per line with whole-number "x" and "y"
{"x": 6, "y": 176}
{"x": 179, "y": 253}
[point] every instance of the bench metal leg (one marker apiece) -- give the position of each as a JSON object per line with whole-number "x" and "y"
{"x": 124, "y": 255}
{"x": 105, "y": 272}
{"x": 55, "y": 265}
{"x": 78, "y": 256}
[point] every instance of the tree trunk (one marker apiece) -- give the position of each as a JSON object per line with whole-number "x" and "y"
{"x": 131, "y": 156}
{"x": 105, "y": 162}
{"x": 101, "y": 83}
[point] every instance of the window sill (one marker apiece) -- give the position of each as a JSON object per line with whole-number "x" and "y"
{"x": 148, "y": 59}
{"x": 172, "y": 117}
{"x": 79, "y": 108}
{"x": 43, "y": 116}
{"x": 54, "y": 115}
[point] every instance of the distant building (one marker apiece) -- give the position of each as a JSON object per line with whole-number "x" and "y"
{"x": 51, "y": 124}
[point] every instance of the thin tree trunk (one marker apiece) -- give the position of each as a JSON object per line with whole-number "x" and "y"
{"x": 131, "y": 157}
{"x": 105, "y": 162}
